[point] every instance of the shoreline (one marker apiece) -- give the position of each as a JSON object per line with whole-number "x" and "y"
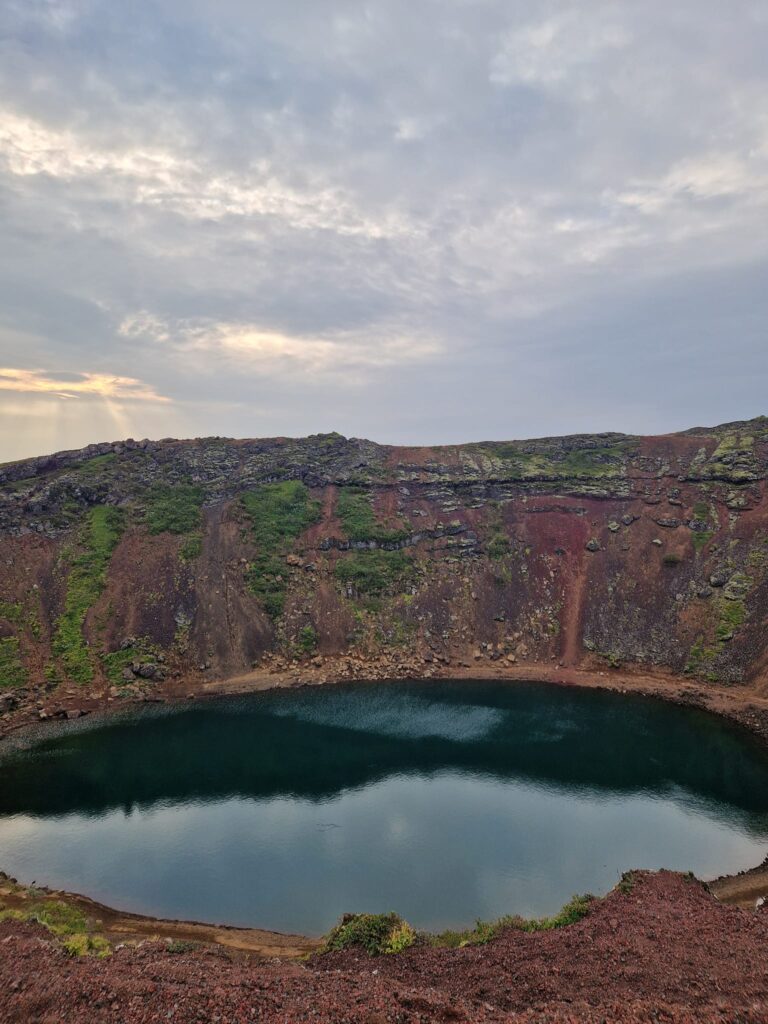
{"x": 743, "y": 707}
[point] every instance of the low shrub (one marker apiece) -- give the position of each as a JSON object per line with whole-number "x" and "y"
{"x": 375, "y": 933}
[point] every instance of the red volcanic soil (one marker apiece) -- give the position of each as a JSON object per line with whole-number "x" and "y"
{"x": 666, "y": 951}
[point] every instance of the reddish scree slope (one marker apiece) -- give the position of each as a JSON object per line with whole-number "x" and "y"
{"x": 666, "y": 951}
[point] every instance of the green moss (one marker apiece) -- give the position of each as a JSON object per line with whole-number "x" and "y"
{"x": 85, "y": 583}
{"x": 279, "y": 513}
{"x": 733, "y": 458}
{"x": 354, "y": 507}
{"x": 732, "y": 615}
{"x": 174, "y": 509}
{"x": 191, "y": 548}
{"x": 12, "y": 671}
{"x": 498, "y": 546}
{"x": 701, "y": 660}
{"x": 607, "y": 461}
{"x": 116, "y": 661}
{"x": 627, "y": 882}
{"x": 306, "y": 641}
{"x": 701, "y": 538}
{"x": 12, "y": 612}
{"x": 374, "y": 572}
{"x": 96, "y": 464}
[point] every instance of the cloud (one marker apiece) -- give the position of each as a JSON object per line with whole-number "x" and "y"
{"x": 154, "y": 177}
{"x": 469, "y": 228}
{"x": 77, "y": 385}
{"x": 253, "y": 346}
{"x": 555, "y": 51}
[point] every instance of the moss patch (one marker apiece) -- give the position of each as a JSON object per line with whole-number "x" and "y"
{"x": 354, "y": 507}
{"x": 98, "y": 538}
{"x": 174, "y": 509}
{"x": 191, "y": 548}
{"x": 12, "y": 671}
{"x": 115, "y": 662}
{"x": 12, "y": 612}
{"x": 374, "y": 572}
{"x": 279, "y": 513}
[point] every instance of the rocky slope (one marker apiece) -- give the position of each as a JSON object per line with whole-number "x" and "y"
{"x": 659, "y": 948}
{"x": 127, "y": 566}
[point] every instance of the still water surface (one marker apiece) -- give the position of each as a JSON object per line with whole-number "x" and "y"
{"x": 443, "y": 801}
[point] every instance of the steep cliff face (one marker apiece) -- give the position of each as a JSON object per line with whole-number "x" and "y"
{"x": 124, "y": 564}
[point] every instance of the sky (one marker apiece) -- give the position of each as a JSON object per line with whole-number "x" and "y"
{"x": 420, "y": 222}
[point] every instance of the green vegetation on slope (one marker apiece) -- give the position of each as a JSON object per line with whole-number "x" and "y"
{"x": 174, "y": 509}
{"x": 98, "y": 538}
{"x": 375, "y": 933}
{"x": 373, "y": 572}
{"x": 354, "y": 508}
{"x": 279, "y": 513}
{"x": 388, "y": 933}
{"x": 142, "y": 650}
{"x": 12, "y": 671}
{"x": 96, "y": 464}
{"x": 12, "y": 612}
{"x": 591, "y": 463}
{"x": 573, "y": 911}
{"x": 65, "y": 922}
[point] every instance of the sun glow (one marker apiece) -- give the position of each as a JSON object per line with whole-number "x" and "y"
{"x": 79, "y": 385}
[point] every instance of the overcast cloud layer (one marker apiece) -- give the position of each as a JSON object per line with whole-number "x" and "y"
{"x": 425, "y": 221}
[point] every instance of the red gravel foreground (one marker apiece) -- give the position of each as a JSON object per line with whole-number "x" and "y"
{"x": 665, "y": 952}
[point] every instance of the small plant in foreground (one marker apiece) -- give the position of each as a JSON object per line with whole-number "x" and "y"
{"x": 375, "y": 933}
{"x": 627, "y": 882}
{"x": 180, "y": 946}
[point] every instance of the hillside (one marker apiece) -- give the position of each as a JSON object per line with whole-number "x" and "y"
{"x": 128, "y": 566}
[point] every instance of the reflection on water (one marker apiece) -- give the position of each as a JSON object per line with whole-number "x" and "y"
{"x": 446, "y": 802}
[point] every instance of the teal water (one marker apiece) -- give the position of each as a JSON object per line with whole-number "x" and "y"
{"x": 443, "y": 801}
